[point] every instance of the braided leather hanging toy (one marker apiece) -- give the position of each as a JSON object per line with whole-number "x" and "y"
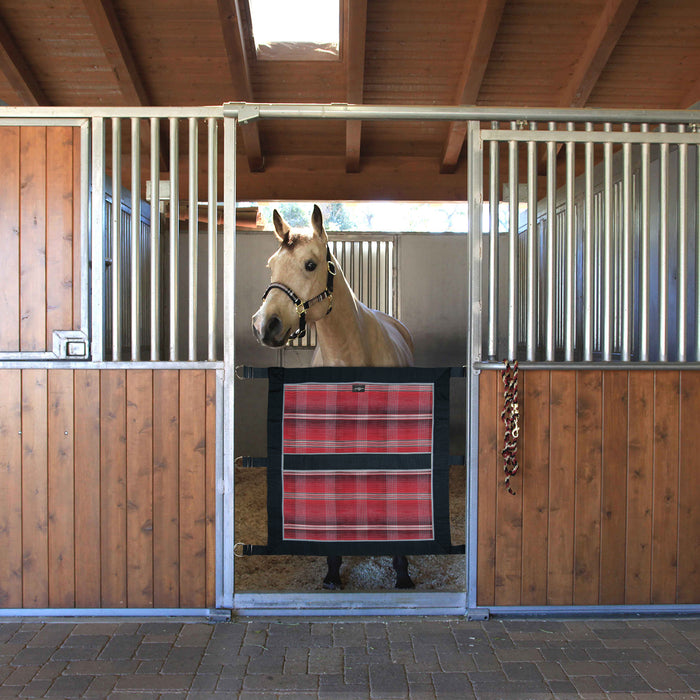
{"x": 510, "y": 415}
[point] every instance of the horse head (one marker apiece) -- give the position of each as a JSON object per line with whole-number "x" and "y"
{"x": 301, "y": 278}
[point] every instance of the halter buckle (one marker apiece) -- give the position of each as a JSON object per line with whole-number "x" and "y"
{"x": 331, "y": 268}
{"x": 299, "y": 306}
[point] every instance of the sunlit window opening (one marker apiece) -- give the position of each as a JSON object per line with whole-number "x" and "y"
{"x": 296, "y": 30}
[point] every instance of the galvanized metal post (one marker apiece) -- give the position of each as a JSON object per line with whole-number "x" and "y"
{"x": 550, "y": 245}
{"x": 116, "y": 267}
{"x": 135, "y": 239}
{"x": 193, "y": 238}
{"x": 155, "y": 239}
{"x": 682, "y": 283}
{"x": 212, "y": 228}
{"x": 531, "y": 342}
{"x": 644, "y": 241}
{"x": 512, "y": 247}
{"x": 493, "y": 246}
{"x": 663, "y": 249}
{"x": 97, "y": 340}
{"x": 174, "y": 242}
{"x": 569, "y": 304}
{"x": 588, "y": 252}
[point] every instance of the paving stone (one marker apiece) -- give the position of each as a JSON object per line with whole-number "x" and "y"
{"x": 268, "y": 663}
{"x": 153, "y": 682}
{"x": 33, "y": 656}
{"x": 102, "y": 668}
{"x": 101, "y": 687}
{"x": 326, "y": 661}
{"x": 21, "y": 675}
{"x": 456, "y": 685}
{"x": 51, "y": 669}
{"x": 120, "y": 647}
{"x": 51, "y": 635}
{"x": 35, "y": 689}
{"x": 623, "y": 683}
{"x": 659, "y": 676}
{"x": 387, "y": 680}
{"x": 279, "y": 682}
{"x": 69, "y": 686}
{"x": 333, "y": 685}
{"x": 522, "y": 671}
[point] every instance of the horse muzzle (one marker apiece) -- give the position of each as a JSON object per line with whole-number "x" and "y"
{"x": 270, "y": 330}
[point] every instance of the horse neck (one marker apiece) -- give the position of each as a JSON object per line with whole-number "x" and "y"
{"x": 339, "y": 332}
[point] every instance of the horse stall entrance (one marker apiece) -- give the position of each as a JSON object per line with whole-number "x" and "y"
{"x": 127, "y": 301}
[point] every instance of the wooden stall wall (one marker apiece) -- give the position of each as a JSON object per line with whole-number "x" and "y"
{"x": 107, "y": 488}
{"x": 606, "y": 506}
{"x": 39, "y": 207}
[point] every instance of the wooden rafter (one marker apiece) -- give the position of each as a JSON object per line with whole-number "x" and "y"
{"x": 611, "y": 23}
{"x": 111, "y": 36}
{"x": 607, "y": 32}
{"x": 18, "y": 73}
{"x": 488, "y": 17}
{"x": 355, "y": 32}
{"x": 234, "y": 30}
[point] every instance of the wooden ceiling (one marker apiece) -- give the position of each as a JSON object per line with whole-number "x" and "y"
{"x": 521, "y": 53}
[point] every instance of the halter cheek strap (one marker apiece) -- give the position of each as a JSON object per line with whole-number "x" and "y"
{"x": 303, "y": 306}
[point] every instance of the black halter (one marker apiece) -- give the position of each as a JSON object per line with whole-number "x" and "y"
{"x": 303, "y": 306}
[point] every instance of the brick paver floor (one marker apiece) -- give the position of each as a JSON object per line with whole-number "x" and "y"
{"x": 295, "y": 658}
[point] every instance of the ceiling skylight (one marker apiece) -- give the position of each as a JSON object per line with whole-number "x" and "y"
{"x": 296, "y": 30}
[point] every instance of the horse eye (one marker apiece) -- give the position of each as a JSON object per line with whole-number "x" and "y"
{"x": 310, "y": 265}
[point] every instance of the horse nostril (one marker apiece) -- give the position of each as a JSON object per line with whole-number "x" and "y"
{"x": 273, "y": 327}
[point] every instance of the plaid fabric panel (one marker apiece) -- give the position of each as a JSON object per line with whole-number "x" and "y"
{"x": 347, "y": 506}
{"x": 358, "y": 418}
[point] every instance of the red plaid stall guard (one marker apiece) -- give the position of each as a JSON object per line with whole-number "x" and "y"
{"x": 358, "y": 461}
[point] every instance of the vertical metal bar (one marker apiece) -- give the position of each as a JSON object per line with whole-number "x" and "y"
{"x": 588, "y": 253}
{"x": 212, "y": 171}
{"x": 135, "y": 239}
{"x": 97, "y": 339}
{"x": 663, "y": 249}
{"x": 626, "y": 231}
{"x": 155, "y": 239}
{"x": 682, "y": 282}
{"x": 550, "y": 249}
{"x": 644, "y": 251}
{"x": 174, "y": 242}
{"x": 475, "y": 157}
{"x": 493, "y": 247}
{"x": 193, "y": 235}
{"x": 116, "y": 238}
{"x": 570, "y": 258}
{"x": 607, "y": 287}
{"x": 531, "y": 247}
{"x": 225, "y": 455}
{"x": 512, "y": 247}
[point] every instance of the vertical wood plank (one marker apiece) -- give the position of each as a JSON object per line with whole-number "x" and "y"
{"x": 35, "y": 554}
{"x": 665, "y": 526}
{"x": 640, "y": 491}
{"x": 614, "y": 484}
{"x": 689, "y": 511}
{"x": 509, "y": 526}
{"x": 488, "y": 450}
{"x": 588, "y": 488}
{"x": 534, "y": 480}
{"x": 166, "y": 529}
{"x": 61, "y": 490}
{"x": 9, "y": 238}
{"x": 562, "y": 488}
{"x": 139, "y": 488}
{"x": 192, "y": 482}
{"x": 59, "y": 229}
{"x": 113, "y": 488}
{"x": 87, "y": 488}
{"x": 33, "y": 248}
{"x": 77, "y": 272}
{"x": 210, "y": 489}
{"x": 11, "y": 489}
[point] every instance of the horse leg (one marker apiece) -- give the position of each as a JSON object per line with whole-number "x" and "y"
{"x": 332, "y": 580}
{"x": 403, "y": 580}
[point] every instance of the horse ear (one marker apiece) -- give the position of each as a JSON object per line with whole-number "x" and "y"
{"x": 317, "y": 223}
{"x": 281, "y": 227}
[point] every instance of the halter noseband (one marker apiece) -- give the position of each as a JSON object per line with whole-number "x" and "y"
{"x": 303, "y": 306}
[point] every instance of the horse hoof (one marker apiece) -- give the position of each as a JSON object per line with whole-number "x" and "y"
{"x": 405, "y": 583}
{"x": 331, "y": 586}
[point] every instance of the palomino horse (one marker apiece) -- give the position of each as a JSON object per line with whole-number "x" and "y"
{"x": 307, "y": 287}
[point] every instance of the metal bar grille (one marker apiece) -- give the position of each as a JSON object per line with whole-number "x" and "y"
{"x": 153, "y": 278}
{"x": 608, "y": 253}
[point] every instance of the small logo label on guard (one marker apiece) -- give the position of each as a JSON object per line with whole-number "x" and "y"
{"x": 358, "y": 388}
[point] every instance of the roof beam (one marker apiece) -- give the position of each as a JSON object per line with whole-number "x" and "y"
{"x": 612, "y": 21}
{"x": 109, "y": 32}
{"x": 18, "y": 73}
{"x": 488, "y": 18}
{"x": 232, "y": 26}
{"x": 356, "y": 30}
{"x": 607, "y": 32}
